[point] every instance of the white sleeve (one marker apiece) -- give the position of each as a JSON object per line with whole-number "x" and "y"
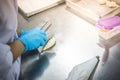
{"x": 6, "y": 59}
{"x": 8, "y": 25}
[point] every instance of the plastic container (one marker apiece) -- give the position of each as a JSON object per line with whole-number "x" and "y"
{"x": 108, "y": 23}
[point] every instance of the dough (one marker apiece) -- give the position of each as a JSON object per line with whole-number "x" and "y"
{"x": 50, "y": 43}
{"x": 102, "y": 2}
{"x": 111, "y": 4}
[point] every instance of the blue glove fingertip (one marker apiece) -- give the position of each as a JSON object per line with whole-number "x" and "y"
{"x": 37, "y": 28}
{"x": 23, "y": 32}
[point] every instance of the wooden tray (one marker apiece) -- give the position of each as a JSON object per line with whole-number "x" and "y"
{"x": 92, "y": 9}
{"x": 31, "y": 7}
{"x": 110, "y": 35}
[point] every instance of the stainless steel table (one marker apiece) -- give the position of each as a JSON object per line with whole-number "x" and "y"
{"x": 75, "y": 43}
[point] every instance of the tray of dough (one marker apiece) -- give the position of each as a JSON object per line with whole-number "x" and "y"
{"x": 91, "y": 9}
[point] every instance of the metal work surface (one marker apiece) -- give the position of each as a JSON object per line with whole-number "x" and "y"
{"x": 108, "y": 69}
{"x": 75, "y": 43}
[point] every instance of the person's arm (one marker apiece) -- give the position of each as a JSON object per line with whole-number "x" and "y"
{"x": 17, "y": 49}
{"x": 6, "y": 60}
{"x": 28, "y": 40}
{"x": 18, "y": 31}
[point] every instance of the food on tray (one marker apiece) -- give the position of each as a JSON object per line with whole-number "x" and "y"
{"x": 102, "y": 2}
{"x": 111, "y": 4}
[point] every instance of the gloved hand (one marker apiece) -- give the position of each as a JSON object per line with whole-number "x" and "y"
{"x": 33, "y": 39}
{"x": 23, "y": 32}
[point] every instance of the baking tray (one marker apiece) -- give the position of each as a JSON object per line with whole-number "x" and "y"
{"x": 92, "y": 9}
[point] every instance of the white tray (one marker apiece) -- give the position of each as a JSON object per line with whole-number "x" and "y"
{"x": 31, "y": 7}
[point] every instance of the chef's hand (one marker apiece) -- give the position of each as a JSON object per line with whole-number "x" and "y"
{"x": 23, "y": 31}
{"x": 33, "y": 38}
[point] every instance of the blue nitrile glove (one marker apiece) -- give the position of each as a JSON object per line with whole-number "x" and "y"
{"x": 23, "y": 32}
{"x": 34, "y": 39}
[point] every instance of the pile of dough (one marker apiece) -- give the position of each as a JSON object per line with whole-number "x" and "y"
{"x": 102, "y": 2}
{"x": 111, "y": 4}
{"x": 50, "y": 43}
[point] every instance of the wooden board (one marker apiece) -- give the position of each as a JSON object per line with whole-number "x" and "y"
{"x": 110, "y": 38}
{"x": 31, "y": 7}
{"x": 92, "y": 9}
{"x": 112, "y": 34}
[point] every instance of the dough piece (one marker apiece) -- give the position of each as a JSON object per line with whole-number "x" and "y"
{"x": 102, "y": 2}
{"x": 111, "y": 4}
{"x": 50, "y": 43}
